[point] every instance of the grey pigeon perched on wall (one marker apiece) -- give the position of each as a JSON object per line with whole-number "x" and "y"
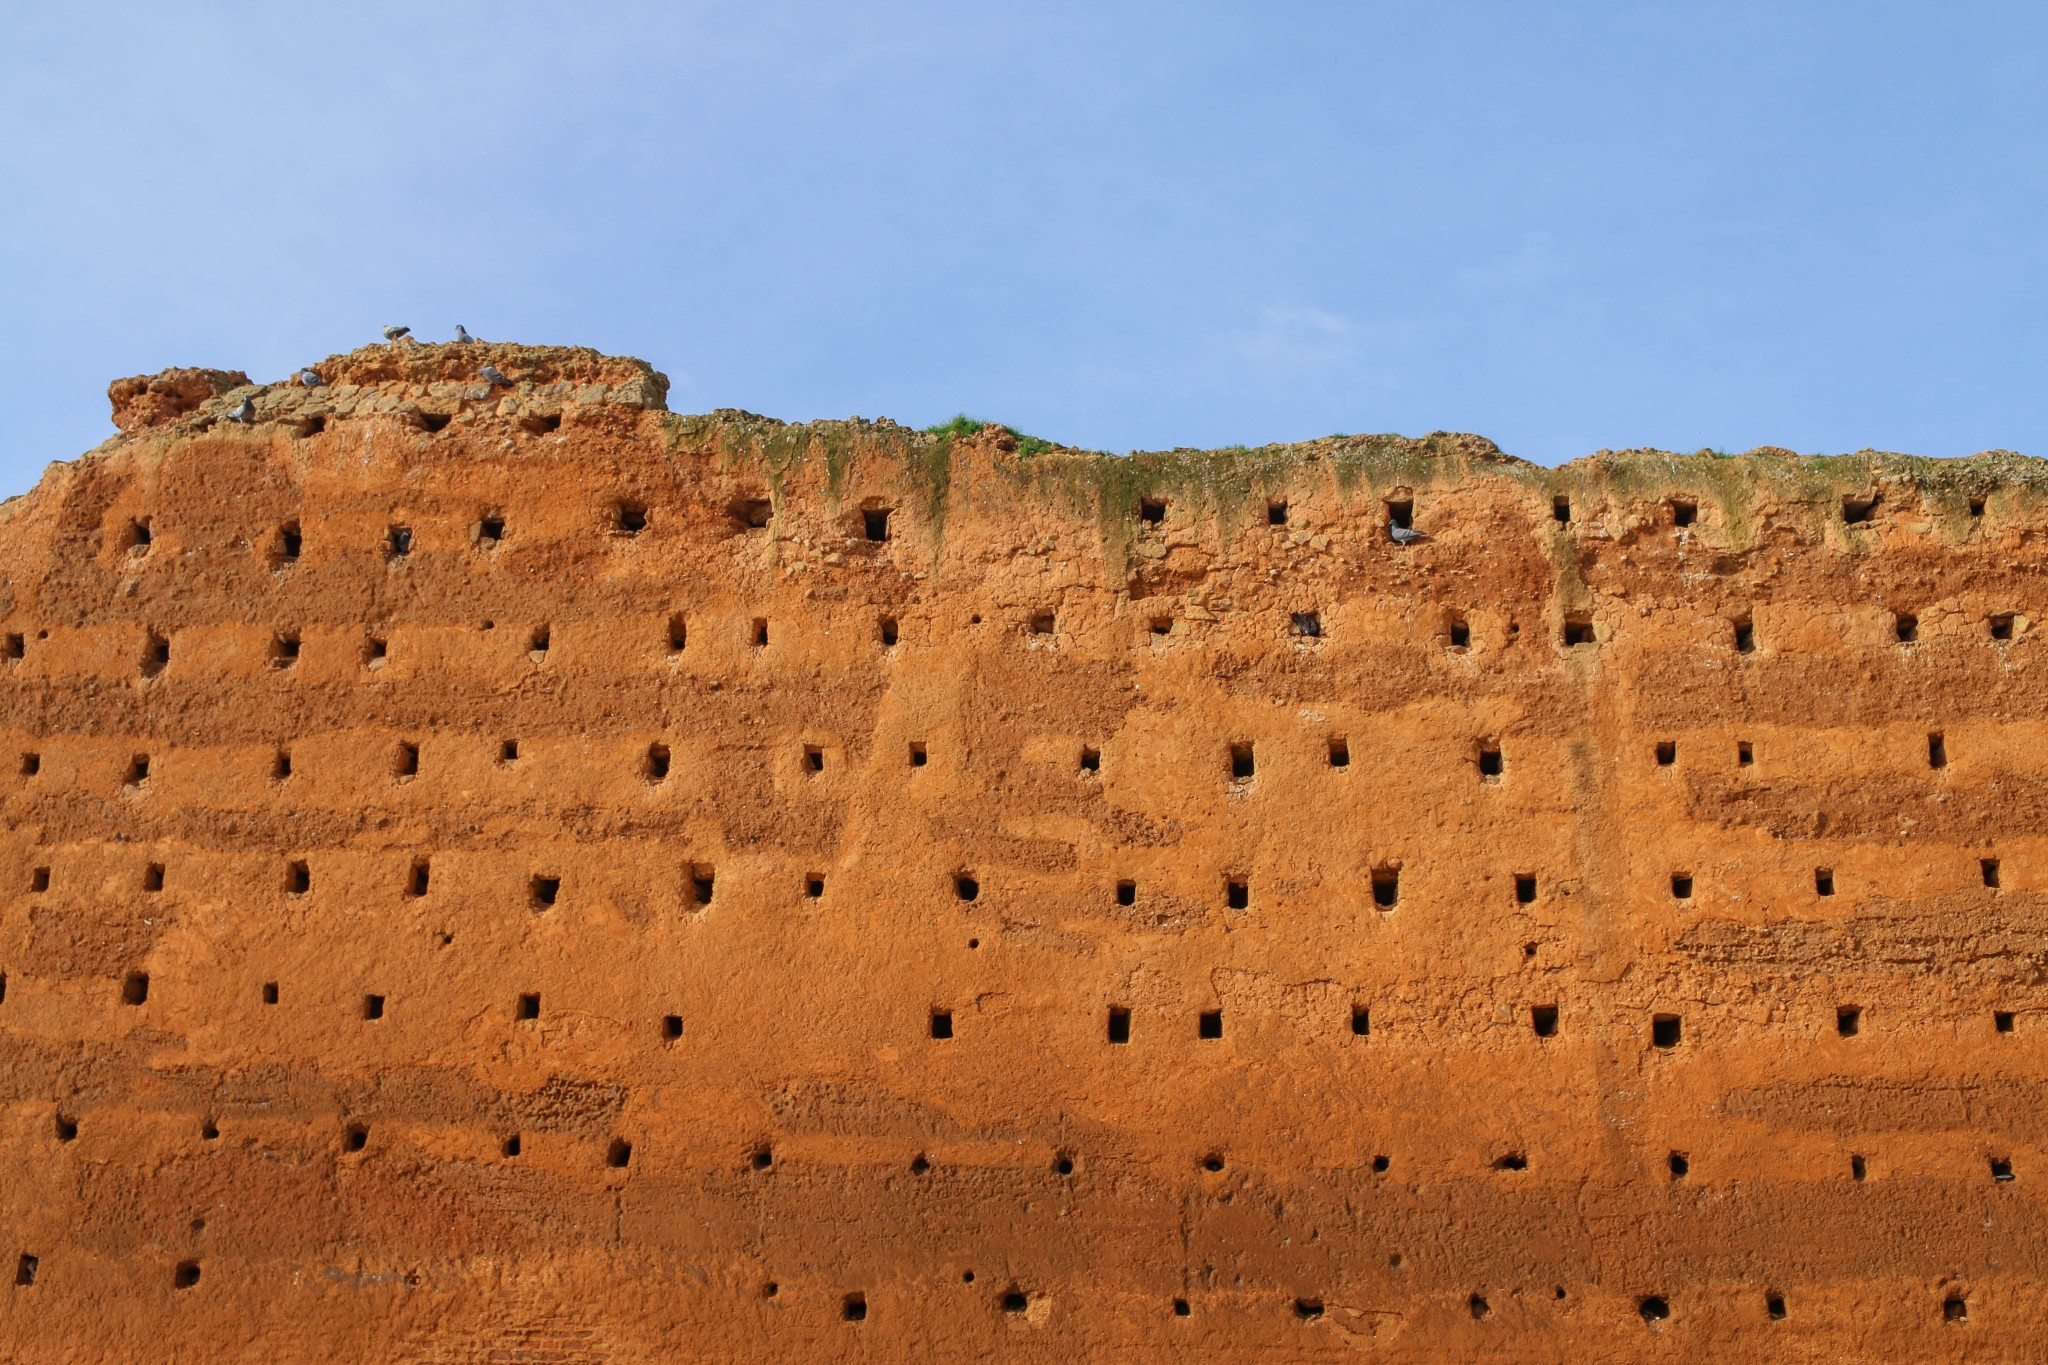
{"x": 394, "y": 333}
{"x": 244, "y": 411}
{"x": 490, "y": 375}
{"x": 310, "y": 379}
{"x": 462, "y": 335}
{"x": 1404, "y": 535}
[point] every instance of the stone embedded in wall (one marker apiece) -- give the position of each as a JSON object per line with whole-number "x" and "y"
{"x": 516, "y": 873}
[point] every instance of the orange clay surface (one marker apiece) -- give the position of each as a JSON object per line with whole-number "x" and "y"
{"x": 519, "y": 875}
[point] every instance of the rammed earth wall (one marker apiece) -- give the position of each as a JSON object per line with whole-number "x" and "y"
{"x": 521, "y": 875}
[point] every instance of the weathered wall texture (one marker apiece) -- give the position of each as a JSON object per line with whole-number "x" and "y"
{"x": 470, "y": 894}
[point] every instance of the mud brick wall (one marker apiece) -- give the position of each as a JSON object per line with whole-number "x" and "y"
{"x": 517, "y": 874}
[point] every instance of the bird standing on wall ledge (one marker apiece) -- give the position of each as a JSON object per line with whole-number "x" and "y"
{"x": 309, "y": 379}
{"x": 243, "y": 412}
{"x": 462, "y": 336}
{"x": 491, "y": 375}
{"x": 392, "y": 334}
{"x": 1403, "y": 535}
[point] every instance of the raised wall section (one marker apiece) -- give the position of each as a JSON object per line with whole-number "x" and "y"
{"x": 521, "y": 875}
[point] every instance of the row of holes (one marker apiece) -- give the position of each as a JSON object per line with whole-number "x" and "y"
{"x": 374, "y": 650}
{"x": 543, "y": 889}
{"x": 1242, "y": 757}
{"x": 630, "y": 518}
{"x": 1666, "y": 1030}
{"x": 853, "y": 1305}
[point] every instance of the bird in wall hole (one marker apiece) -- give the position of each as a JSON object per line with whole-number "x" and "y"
{"x": 392, "y": 334}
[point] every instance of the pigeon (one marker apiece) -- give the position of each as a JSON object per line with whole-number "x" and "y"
{"x": 491, "y": 375}
{"x": 310, "y": 379}
{"x": 394, "y": 333}
{"x": 244, "y": 411}
{"x": 462, "y": 336}
{"x": 1404, "y": 535}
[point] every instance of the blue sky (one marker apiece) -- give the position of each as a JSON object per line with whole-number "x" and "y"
{"x": 1118, "y": 224}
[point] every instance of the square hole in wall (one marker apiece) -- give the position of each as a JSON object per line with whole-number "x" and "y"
{"x": 942, "y": 1023}
{"x": 1361, "y": 1021}
{"x": 629, "y": 518}
{"x": 2001, "y": 1168}
{"x": 1857, "y": 509}
{"x": 153, "y": 877}
{"x": 1906, "y": 627}
{"x": 1823, "y": 881}
{"x": 39, "y": 879}
{"x": 280, "y": 765}
{"x": 751, "y": 514}
{"x": 417, "y": 878}
{"x": 537, "y": 643}
{"x": 1091, "y": 760}
{"x": 1491, "y": 765}
{"x": 1242, "y": 763}
{"x": 1667, "y": 753}
{"x": 25, "y": 1269}
{"x": 1745, "y": 636}
{"x": 31, "y": 764}
{"x": 1119, "y": 1024}
{"x": 405, "y": 762}
{"x": 1848, "y": 1020}
{"x": 1745, "y": 753}
{"x": 1578, "y": 630}
{"x": 1276, "y": 512}
{"x": 1684, "y": 512}
{"x": 1561, "y": 509}
{"x": 966, "y": 887}
{"x": 510, "y": 1146}
{"x": 544, "y": 891}
{"x": 1666, "y": 1030}
{"x": 1681, "y": 886}
{"x": 1458, "y": 632}
{"x": 1987, "y": 868}
{"x": 1127, "y": 893}
{"x": 671, "y": 1026}
{"x": 508, "y": 751}
{"x": 875, "y": 522}
{"x": 135, "y": 988}
{"x": 1954, "y": 1308}
{"x": 156, "y": 654}
{"x": 2001, "y": 626}
{"x": 287, "y": 545}
{"x": 490, "y": 530}
{"x": 1210, "y": 1025}
{"x": 1042, "y": 623}
{"x": 918, "y": 756}
{"x": 618, "y": 1154}
{"x": 284, "y": 649}
{"x": 298, "y": 877}
{"x": 1525, "y": 889}
{"x": 398, "y": 541}
{"x": 270, "y": 992}
{"x": 889, "y": 632}
{"x": 702, "y": 883}
{"x": 375, "y": 651}
{"x": 1937, "y": 751}
{"x": 2002, "y": 1020}
{"x": 1340, "y": 753}
{"x": 1679, "y": 1165}
{"x": 1237, "y": 893}
{"x": 1152, "y": 511}
{"x": 1307, "y": 625}
{"x": 373, "y": 1007}
{"x": 138, "y": 770}
{"x": 1543, "y": 1019}
{"x": 654, "y": 763}
{"x": 814, "y": 759}
{"x": 1859, "y": 1169}
{"x": 1386, "y": 887}
{"x": 528, "y": 1007}
{"x": 1401, "y": 513}
{"x": 854, "y": 1308}
{"x": 814, "y": 885}
{"x": 1162, "y": 625}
